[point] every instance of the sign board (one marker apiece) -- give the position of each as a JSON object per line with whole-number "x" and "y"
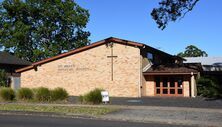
{"x": 105, "y": 96}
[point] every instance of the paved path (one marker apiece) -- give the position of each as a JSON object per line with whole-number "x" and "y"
{"x": 163, "y": 101}
{"x": 169, "y": 102}
{"x": 175, "y": 115}
{"x": 198, "y": 102}
{"x": 43, "y": 121}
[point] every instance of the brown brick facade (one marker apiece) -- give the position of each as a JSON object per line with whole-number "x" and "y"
{"x": 84, "y": 71}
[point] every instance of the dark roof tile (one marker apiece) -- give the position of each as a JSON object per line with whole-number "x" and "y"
{"x": 174, "y": 68}
{"x": 6, "y": 58}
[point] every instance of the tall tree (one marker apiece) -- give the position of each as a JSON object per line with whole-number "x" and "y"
{"x": 38, "y": 29}
{"x": 171, "y": 10}
{"x": 192, "y": 51}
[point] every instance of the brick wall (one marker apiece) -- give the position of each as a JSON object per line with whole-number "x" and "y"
{"x": 84, "y": 71}
{"x": 148, "y": 86}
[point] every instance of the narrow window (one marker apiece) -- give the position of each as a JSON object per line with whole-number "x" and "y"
{"x": 157, "y": 82}
{"x": 149, "y": 56}
{"x": 180, "y": 82}
{"x": 165, "y": 82}
{"x": 172, "y": 91}
{"x": 157, "y": 91}
{"x": 180, "y": 91}
{"x": 172, "y": 82}
{"x": 165, "y": 91}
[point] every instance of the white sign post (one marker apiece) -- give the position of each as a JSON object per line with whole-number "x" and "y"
{"x": 105, "y": 97}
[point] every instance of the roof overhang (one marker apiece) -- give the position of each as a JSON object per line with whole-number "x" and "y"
{"x": 169, "y": 73}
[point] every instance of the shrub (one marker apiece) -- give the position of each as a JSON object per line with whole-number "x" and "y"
{"x": 25, "y": 94}
{"x": 58, "y": 94}
{"x": 3, "y": 78}
{"x": 7, "y": 94}
{"x": 93, "y": 97}
{"x": 81, "y": 99}
{"x": 42, "y": 94}
{"x": 208, "y": 87}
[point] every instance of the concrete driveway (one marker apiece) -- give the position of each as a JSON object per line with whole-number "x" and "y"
{"x": 172, "y": 115}
{"x": 198, "y": 102}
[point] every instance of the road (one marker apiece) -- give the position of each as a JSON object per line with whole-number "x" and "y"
{"x": 46, "y": 121}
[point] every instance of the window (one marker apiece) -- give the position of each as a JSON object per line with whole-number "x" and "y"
{"x": 169, "y": 85}
{"x": 180, "y": 82}
{"x": 157, "y": 82}
{"x": 157, "y": 91}
{"x": 180, "y": 91}
{"x": 172, "y": 91}
{"x": 165, "y": 91}
{"x": 165, "y": 82}
{"x": 172, "y": 84}
{"x": 149, "y": 56}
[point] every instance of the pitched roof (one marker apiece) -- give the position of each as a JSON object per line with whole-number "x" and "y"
{"x": 6, "y": 58}
{"x": 173, "y": 69}
{"x": 105, "y": 41}
{"x": 216, "y": 61}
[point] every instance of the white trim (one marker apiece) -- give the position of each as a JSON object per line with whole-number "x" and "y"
{"x": 148, "y": 66}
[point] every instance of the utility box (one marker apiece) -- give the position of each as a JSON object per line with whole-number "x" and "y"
{"x": 105, "y": 97}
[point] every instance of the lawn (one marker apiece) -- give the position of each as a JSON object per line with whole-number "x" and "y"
{"x": 67, "y": 110}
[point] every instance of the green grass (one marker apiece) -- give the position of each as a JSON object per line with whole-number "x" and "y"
{"x": 69, "y": 110}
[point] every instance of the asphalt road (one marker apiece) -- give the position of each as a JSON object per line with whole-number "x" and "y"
{"x": 46, "y": 121}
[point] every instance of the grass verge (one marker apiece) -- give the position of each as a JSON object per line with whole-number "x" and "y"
{"x": 69, "y": 110}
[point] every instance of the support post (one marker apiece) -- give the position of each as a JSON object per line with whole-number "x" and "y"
{"x": 193, "y": 86}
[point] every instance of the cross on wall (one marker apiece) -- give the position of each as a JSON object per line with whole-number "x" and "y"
{"x": 111, "y": 57}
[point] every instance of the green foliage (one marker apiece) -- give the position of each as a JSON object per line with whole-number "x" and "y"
{"x": 171, "y": 10}
{"x": 93, "y": 97}
{"x": 59, "y": 94}
{"x": 208, "y": 87}
{"x": 37, "y": 29}
{"x": 42, "y": 94}
{"x": 25, "y": 94}
{"x": 192, "y": 51}
{"x": 81, "y": 99}
{"x": 3, "y": 78}
{"x": 7, "y": 94}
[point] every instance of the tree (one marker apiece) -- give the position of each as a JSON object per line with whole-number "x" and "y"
{"x": 209, "y": 87}
{"x": 171, "y": 10}
{"x": 38, "y": 29}
{"x": 192, "y": 51}
{"x": 3, "y": 78}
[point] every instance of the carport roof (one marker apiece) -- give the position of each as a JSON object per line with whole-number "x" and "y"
{"x": 173, "y": 69}
{"x": 6, "y": 58}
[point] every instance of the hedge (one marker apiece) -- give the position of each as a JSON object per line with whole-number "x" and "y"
{"x": 7, "y": 94}
{"x": 25, "y": 94}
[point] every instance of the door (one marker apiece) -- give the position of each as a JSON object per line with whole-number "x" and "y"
{"x": 169, "y": 86}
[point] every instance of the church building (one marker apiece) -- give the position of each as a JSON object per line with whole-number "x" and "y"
{"x": 123, "y": 68}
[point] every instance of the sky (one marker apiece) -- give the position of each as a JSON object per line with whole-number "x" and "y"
{"x": 131, "y": 20}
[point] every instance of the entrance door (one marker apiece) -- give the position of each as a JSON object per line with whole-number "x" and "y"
{"x": 168, "y": 86}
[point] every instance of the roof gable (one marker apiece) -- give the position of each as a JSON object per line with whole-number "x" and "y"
{"x": 105, "y": 41}
{"x": 93, "y": 45}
